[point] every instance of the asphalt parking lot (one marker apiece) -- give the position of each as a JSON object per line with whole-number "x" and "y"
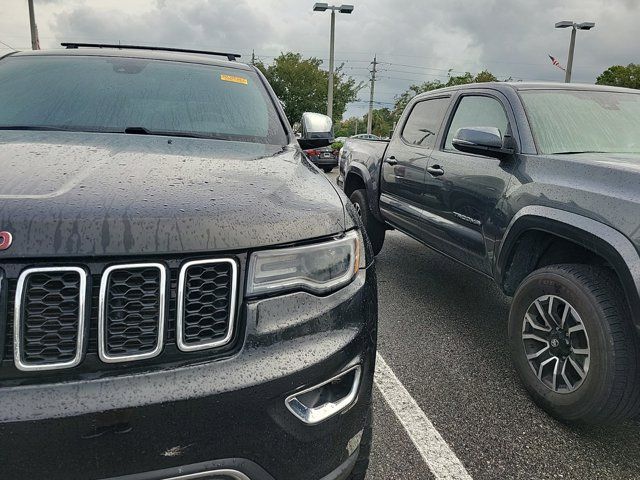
{"x": 443, "y": 333}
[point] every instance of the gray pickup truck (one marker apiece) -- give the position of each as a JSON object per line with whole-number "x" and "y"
{"x": 538, "y": 187}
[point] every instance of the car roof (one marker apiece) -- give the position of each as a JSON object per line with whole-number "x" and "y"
{"x": 200, "y": 58}
{"x": 522, "y": 86}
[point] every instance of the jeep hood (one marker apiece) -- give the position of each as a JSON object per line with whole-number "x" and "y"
{"x": 70, "y": 194}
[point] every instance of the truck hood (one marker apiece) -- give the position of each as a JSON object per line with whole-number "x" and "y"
{"x": 629, "y": 162}
{"x": 77, "y": 194}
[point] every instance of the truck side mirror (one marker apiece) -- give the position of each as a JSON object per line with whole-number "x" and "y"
{"x": 317, "y": 131}
{"x": 481, "y": 141}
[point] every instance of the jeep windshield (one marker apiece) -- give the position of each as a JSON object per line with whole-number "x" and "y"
{"x": 584, "y": 121}
{"x": 136, "y": 96}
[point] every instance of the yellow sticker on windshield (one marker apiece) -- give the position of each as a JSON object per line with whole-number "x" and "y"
{"x": 231, "y": 78}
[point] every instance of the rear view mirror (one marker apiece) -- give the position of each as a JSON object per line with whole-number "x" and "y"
{"x": 481, "y": 141}
{"x": 317, "y": 131}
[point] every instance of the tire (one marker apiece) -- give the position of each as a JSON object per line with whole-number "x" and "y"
{"x": 327, "y": 169}
{"x": 359, "y": 471}
{"x": 602, "y": 343}
{"x": 375, "y": 228}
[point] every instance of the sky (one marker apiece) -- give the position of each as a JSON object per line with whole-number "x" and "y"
{"x": 415, "y": 40}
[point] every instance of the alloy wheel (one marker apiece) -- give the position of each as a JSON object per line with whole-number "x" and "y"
{"x": 556, "y": 344}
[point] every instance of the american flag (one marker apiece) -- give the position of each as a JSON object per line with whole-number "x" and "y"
{"x": 556, "y": 63}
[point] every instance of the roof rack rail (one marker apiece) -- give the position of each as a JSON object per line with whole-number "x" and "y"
{"x": 230, "y": 56}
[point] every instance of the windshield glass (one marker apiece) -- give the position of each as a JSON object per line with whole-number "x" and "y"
{"x": 111, "y": 94}
{"x": 566, "y": 121}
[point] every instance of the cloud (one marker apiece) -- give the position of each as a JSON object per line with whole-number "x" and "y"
{"x": 220, "y": 24}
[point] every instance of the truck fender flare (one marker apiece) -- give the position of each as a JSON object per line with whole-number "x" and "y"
{"x": 601, "y": 239}
{"x": 371, "y": 186}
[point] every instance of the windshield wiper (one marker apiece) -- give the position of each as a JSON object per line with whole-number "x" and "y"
{"x": 43, "y": 128}
{"x": 168, "y": 133}
{"x": 55, "y": 128}
{"x": 578, "y": 152}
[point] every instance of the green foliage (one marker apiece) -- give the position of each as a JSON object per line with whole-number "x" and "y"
{"x": 382, "y": 124}
{"x": 347, "y": 127}
{"x": 337, "y": 145}
{"x": 403, "y": 99}
{"x": 302, "y": 86}
{"x": 620, "y": 76}
{"x": 485, "y": 76}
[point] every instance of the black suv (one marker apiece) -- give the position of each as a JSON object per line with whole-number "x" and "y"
{"x": 182, "y": 293}
{"x": 536, "y": 185}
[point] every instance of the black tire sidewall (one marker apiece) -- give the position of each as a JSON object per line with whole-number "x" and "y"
{"x": 592, "y": 395}
{"x": 375, "y": 229}
{"x": 362, "y": 463}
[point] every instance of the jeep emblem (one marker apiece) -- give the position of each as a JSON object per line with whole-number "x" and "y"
{"x": 5, "y": 240}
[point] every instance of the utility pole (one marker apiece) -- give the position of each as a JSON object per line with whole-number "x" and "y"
{"x": 373, "y": 84}
{"x": 35, "y": 42}
{"x": 356, "y": 126}
{"x": 253, "y": 57}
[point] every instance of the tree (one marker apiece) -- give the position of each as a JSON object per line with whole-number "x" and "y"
{"x": 347, "y": 127}
{"x": 403, "y": 99}
{"x": 302, "y": 86}
{"x": 620, "y": 76}
{"x": 485, "y": 76}
{"x": 381, "y": 125}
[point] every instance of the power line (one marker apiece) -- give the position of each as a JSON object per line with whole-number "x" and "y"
{"x": 7, "y": 45}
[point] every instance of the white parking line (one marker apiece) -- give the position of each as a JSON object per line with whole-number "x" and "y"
{"x": 437, "y": 454}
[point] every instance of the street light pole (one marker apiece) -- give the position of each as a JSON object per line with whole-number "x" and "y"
{"x": 35, "y": 42}
{"x": 572, "y": 47}
{"x": 331, "y": 48}
{"x": 574, "y": 28}
{"x": 322, "y": 7}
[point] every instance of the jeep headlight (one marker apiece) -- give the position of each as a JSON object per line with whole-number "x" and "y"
{"x": 317, "y": 268}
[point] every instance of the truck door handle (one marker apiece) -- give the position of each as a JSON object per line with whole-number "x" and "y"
{"x": 436, "y": 170}
{"x": 391, "y": 160}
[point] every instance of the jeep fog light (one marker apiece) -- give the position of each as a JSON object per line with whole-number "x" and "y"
{"x": 318, "y": 403}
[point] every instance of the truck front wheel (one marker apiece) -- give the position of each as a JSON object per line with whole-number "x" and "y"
{"x": 374, "y": 227}
{"x": 574, "y": 345}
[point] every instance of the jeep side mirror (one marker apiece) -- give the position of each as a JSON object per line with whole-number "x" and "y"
{"x": 317, "y": 131}
{"x": 481, "y": 141}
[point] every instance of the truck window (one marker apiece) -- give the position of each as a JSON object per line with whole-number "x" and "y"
{"x": 424, "y": 122}
{"x": 477, "y": 111}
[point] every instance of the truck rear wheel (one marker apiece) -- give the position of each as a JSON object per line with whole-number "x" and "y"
{"x": 374, "y": 227}
{"x": 574, "y": 345}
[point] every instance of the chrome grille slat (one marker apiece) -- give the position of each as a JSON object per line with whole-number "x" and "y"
{"x": 206, "y": 304}
{"x": 211, "y": 307}
{"x": 49, "y": 318}
{"x": 131, "y": 314}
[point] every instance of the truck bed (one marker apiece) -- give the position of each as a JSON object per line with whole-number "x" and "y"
{"x": 365, "y": 152}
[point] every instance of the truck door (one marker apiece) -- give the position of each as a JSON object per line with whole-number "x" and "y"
{"x": 403, "y": 194}
{"x": 466, "y": 188}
